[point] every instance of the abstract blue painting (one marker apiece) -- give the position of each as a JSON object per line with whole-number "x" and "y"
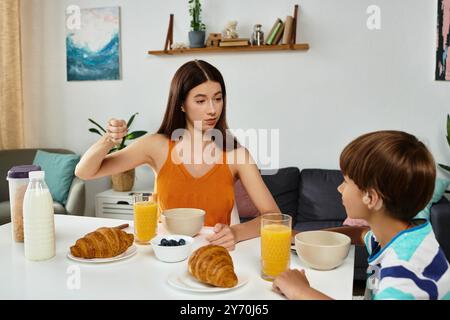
{"x": 93, "y": 47}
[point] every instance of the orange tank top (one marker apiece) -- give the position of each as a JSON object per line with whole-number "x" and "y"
{"x": 212, "y": 192}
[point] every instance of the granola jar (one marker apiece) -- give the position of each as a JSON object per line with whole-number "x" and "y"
{"x": 18, "y": 182}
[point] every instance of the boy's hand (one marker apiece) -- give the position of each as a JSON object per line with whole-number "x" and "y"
{"x": 223, "y": 236}
{"x": 116, "y": 130}
{"x": 292, "y": 284}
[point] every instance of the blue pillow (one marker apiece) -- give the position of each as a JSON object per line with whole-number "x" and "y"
{"x": 439, "y": 188}
{"x": 59, "y": 172}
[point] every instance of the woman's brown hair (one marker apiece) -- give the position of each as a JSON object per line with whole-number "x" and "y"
{"x": 395, "y": 164}
{"x": 187, "y": 77}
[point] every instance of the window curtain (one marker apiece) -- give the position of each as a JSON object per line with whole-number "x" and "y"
{"x": 11, "y": 101}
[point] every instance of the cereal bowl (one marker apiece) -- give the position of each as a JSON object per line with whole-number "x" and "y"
{"x": 184, "y": 221}
{"x": 322, "y": 250}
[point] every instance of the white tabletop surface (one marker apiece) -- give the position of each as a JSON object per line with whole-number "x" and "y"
{"x": 141, "y": 276}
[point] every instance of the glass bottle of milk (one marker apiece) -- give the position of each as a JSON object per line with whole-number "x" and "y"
{"x": 38, "y": 219}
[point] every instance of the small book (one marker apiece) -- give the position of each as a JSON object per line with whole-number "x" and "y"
{"x": 287, "y": 36}
{"x": 235, "y": 39}
{"x": 233, "y": 43}
{"x": 273, "y": 32}
{"x": 279, "y": 34}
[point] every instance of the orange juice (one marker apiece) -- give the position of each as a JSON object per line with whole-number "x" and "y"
{"x": 145, "y": 220}
{"x": 275, "y": 249}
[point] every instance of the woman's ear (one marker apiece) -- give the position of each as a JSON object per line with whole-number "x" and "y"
{"x": 373, "y": 200}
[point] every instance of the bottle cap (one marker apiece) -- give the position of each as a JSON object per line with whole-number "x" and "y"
{"x": 21, "y": 172}
{"x": 37, "y": 175}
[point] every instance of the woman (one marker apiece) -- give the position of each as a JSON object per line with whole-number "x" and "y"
{"x": 196, "y": 111}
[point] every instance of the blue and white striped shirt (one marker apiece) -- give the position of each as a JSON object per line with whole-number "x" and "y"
{"x": 411, "y": 266}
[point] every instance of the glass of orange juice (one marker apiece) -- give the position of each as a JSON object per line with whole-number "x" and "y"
{"x": 275, "y": 244}
{"x": 145, "y": 217}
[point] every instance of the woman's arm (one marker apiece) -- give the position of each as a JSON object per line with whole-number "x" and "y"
{"x": 253, "y": 183}
{"x": 96, "y": 162}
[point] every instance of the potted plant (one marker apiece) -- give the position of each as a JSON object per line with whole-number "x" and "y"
{"x": 443, "y": 166}
{"x": 123, "y": 181}
{"x": 197, "y": 33}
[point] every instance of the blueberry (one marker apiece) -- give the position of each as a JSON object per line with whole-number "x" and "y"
{"x": 173, "y": 243}
{"x": 181, "y": 242}
{"x": 164, "y": 242}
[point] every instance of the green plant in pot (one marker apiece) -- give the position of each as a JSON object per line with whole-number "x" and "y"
{"x": 443, "y": 166}
{"x": 197, "y": 33}
{"x": 122, "y": 181}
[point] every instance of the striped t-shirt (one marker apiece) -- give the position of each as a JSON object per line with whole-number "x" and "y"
{"x": 411, "y": 266}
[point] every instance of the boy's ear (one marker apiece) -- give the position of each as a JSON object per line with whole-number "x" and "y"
{"x": 373, "y": 200}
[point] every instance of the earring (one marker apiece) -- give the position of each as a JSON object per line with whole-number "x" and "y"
{"x": 366, "y": 198}
{"x": 182, "y": 109}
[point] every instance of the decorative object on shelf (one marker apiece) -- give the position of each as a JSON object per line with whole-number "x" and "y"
{"x": 123, "y": 181}
{"x": 242, "y": 47}
{"x": 197, "y": 34}
{"x": 213, "y": 40}
{"x": 443, "y": 34}
{"x": 178, "y": 45}
{"x": 258, "y": 35}
{"x": 231, "y": 30}
{"x": 93, "y": 44}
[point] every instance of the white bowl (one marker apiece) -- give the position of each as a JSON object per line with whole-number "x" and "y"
{"x": 322, "y": 250}
{"x": 175, "y": 253}
{"x": 186, "y": 221}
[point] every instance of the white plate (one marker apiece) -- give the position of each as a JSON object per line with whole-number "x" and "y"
{"x": 130, "y": 252}
{"x": 185, "y": 281}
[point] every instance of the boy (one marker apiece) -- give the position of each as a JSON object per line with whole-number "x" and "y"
{"x": 388, "y": 177}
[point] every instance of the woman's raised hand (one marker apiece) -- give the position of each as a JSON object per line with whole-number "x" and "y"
{"x": 116, "y": 130}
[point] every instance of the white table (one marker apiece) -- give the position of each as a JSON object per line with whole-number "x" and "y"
{"x": 139, "y": 277}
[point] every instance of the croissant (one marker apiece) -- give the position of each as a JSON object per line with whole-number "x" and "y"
{"x": 102, "y": 243}
{"x": 213, "y": 265}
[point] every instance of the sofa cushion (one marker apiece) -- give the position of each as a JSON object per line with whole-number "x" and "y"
{"x": 244, "y": 204}
{"x": 355, "y": 222}
{"x": 284, "y": 188}
{"x": 440, "y": 221}
{"x": 318, "y": 198}
{"x": 59, "y": 172}
{"x": 439, "y": 188}
{"x": 5, "y": 215}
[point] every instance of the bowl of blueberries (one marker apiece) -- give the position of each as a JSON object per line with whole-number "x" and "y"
{"x": 172, "y": 248}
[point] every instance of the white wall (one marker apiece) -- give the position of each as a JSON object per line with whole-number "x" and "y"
{"x": 351, "y": 81}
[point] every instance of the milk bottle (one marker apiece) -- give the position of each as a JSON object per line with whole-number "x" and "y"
{"x": 38, "y": 219}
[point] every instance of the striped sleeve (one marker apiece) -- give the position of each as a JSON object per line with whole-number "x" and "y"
{"x": 401, "y": 282}
{"x": 392, "y": 293}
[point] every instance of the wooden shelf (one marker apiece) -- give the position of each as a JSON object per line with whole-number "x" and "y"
{"x": 280, "y": 47}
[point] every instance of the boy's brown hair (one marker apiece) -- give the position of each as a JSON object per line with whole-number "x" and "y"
{"x": 395, "y": 164}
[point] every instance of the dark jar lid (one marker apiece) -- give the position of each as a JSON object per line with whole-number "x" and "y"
{"x": 21, "y": 172}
